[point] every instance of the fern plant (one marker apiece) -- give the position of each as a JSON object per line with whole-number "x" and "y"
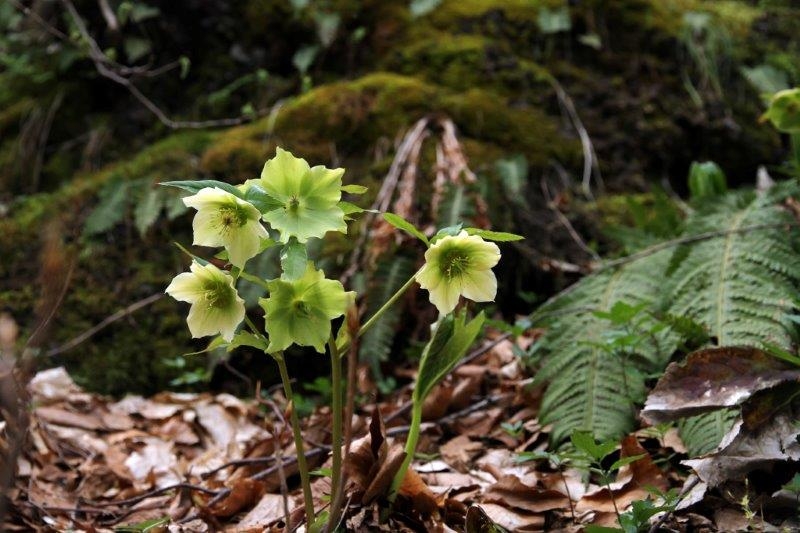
{"x": 376, "y": 343}
{"x": 733, "y": 271}
{"x": 591, "y": 388}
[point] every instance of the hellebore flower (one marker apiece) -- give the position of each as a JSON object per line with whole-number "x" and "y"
{"x": 459, "y": 265}
{"x": 309, "y": 197}
{"x": 216, "y": 307}
{"x": 301, "y": 311}
{"x": 222, "y": 219}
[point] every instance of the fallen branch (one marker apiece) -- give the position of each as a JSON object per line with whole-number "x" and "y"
{"x": 107, "y": 321}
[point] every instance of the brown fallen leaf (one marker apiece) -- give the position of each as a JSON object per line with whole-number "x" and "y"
{"x": 244, "y": 493}
{"x": 511, "y": 520}
{"x": 460, "y": 451}
{"x": 714, "y": 378}
{"x": 512, "y": 492}
{"x": 268, "y": 511}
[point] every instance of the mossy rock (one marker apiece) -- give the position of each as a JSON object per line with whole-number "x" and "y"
{"x": 349, "y": 118}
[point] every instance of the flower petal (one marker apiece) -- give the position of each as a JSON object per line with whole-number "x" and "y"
{"x": 281, "y": 175}
{"x": 205, "y": 228}
{"x": 242, "y": 243}
{"x": 479, "y": 285}
{"x": 185, "y": 288}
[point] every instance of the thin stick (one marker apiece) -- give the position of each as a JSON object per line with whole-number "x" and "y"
{"x": 122, "y": 313}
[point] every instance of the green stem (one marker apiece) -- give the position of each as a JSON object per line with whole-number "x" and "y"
{"x": 336, "y": 437}
{"x": 302, "y": 465}
{"x": 389, "y": 303}
{"x": 411, "y": 447}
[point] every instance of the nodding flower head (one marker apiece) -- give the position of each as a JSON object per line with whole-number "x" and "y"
{"x": 222, "y": 219}
{"x": 216, "y": 306}
{"x": 301, "y": 311}
{"x": 459, "y": 265}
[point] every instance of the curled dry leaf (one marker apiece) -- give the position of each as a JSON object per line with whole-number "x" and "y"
{"x": 714, "y": 378}
{"x": 372, "y": 463}
{"x": 743, "y": 451}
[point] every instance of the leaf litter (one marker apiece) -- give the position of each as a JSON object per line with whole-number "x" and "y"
{"x": 183, "y": 462}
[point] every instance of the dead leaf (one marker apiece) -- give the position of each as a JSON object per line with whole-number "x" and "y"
{"x": 509, "y": 490}
{"x": 244, "y": 493}
{"x": 459, "y": 452}
{"x": 711, "y": 379}
{"x": 742, "y": 451}
{"x": 513, "y": 520}
{"x": 268, "y": 511}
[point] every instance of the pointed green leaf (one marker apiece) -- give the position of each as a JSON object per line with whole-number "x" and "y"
{"x": 148, "y": 209}
{"x": 195, "y": 186}
{"x": 619, "y": 463}
{"x": 354, "y": 189}
{"x": 497, "y": 236}
{"x": 190, "y": 254}
{"x": 404, "y": 225}
{"x": 293, "y": 260}
{"x": 262, "y": 201}
{"x": 246, "y": 338}
{"x": 444, "y": 350}
{"x": 584, "y": 441}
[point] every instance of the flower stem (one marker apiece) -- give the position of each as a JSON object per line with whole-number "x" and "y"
{"x": 336, "y": 436}
{"x": 298, "y": 439}
{"x": 411, "y": 447}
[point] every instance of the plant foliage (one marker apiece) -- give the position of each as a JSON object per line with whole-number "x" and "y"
{"x": 733, "y": 271}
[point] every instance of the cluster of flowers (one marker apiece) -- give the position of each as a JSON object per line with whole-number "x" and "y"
{"x": 300, "y": 202}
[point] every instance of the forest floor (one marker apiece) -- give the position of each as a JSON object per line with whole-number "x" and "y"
{"x": 201, "y": 462}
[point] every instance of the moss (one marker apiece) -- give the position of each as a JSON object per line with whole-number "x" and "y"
{"x": 235, "y": 159}
{"x": 735, "y": 16}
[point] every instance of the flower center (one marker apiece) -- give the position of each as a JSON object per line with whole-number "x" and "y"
{"x": 454, "y": 263}
{"x": 217, "y": 294}
{"x": 294, "y": 204}
{"x": 301, "y": 308}
{"x": 231, "y": 217}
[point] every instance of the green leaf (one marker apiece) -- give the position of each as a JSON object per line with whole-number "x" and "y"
{"x": 706, "y": 179}
{"x": 246, "y": 338}
{"x": 354, "y": 189}
{"x": 194, "y": 186}
{"x": 402, "y": 224}
{"x": 148, "y": 209}
{"x": 216, "y": 342}
{"x": 111, "y": 208}
{"x": 349, "y": 209}
{"x": 200, "y": 260}
{"x": 497, "y": 236}
{"x": 554, "y": 20}
{"x": 449, "y": 344}
{"x": 136, "y": 48}
{"x": 513, "y": 172}
{"x": 584, "y": 441}
{"x": 262, "y": 201}
{"x": 294, "y": 257}
{"x": 141, "y": 12}
{"x": 304, "y": 58}
{"x": 623, "y": 461}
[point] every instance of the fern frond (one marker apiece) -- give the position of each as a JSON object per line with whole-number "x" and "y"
{"x": 376, "y": 343}
{"x": 456, "y": 206}
{"x": 702, "y": 433}
{"x": 590, "y": 388}
{"x": 740, "y": 286}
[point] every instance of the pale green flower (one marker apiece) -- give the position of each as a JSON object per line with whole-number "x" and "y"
{"x": 301, "y": 311}
{"x": 216, "y": 307}
{"x": 459, "y": 265}
{"x": 309, "y": 197}
{"x": 222, "y": 219}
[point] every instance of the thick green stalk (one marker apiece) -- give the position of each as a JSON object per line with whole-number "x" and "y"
{"x": 336, "y": 436}
{"x": 411, "y": 447}
{"x": 795, "y": 145}
{"x": 302, "y": 465}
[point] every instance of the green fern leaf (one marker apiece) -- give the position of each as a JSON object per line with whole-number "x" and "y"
{"x": 702, "y": 433}
{"x": 588, "y": 387}
{"x": 740, "y": 286}
{"x": 376, "y": 343}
